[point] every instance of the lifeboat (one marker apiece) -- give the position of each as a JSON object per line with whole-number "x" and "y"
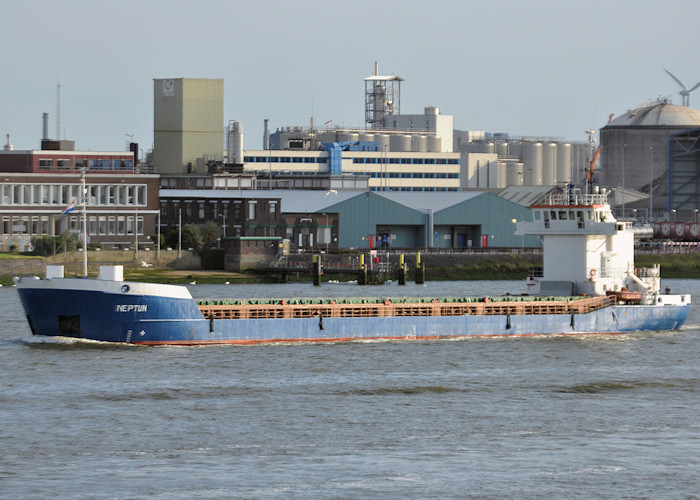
{"x": 625, "y": 296}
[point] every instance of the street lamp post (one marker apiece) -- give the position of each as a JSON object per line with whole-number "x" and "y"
{"x": 651, "y": 180}
{"x": 327, "y": 232}
{"x": 522, "y": 237}
{"x": 624, "y": 147}
{"x": 179, "y": 233}
{"x": 224, "y": 226}
{"x": 158, "y": 236}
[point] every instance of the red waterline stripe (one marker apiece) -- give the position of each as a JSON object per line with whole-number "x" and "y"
{"x": 355, "y": 339}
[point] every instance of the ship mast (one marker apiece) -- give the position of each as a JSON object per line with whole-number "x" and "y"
{"x": 83, "y": 191}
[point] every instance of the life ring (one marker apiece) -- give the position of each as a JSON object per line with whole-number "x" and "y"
{"x": 593, "y": 272}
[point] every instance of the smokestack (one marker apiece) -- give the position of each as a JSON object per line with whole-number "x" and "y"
{"x": 8, "y": 146}
{"x": 45, "y": 135}
{"x": 266, "y": 135}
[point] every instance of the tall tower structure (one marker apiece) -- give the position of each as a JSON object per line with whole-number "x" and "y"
{"x": 382, "y": 97}
{"x": 188, "y": 123}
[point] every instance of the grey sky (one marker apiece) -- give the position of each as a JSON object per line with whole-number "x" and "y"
{"x": 553, "y": 68}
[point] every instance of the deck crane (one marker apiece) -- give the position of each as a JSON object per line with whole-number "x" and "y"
{"x": 591, "y": 165}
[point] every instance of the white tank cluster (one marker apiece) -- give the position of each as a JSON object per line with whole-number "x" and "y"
{"x": 389, "y": 141}
{"x": 534, "y": 162}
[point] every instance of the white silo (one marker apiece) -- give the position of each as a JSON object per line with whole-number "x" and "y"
{"x": 384, "y": 141}
{"x": 434, "y": 144}
{"x": 532, "y": 163}
{"x": 500, "y": 180}
{"x": 564, "y": 162}
{"x": 400, "y": 142}
{"x": 502, "y": 149}
{"x": 515, "y": 149}
{"x": 580, "y": 158}
{"x": 514, "y": 174}
{"x": 419, "y": 143}
{"x": 235, "y": 143}
{"x": 365, "y": 137}
{"x": 326, "y": 136}
{"x": 549, "y": 163}
{"x": 348, "y": 137}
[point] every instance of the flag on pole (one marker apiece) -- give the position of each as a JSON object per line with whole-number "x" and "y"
{"x": 69, "y": 208}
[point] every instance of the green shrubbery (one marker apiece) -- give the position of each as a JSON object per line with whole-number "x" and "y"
{"x": 50, "y": 245}
{"x": 195, "y": 236}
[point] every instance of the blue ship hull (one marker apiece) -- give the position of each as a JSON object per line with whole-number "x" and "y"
{"x": 116, "y": 315}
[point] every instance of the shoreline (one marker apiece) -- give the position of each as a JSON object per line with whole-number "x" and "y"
{"x": 438, "y": 268}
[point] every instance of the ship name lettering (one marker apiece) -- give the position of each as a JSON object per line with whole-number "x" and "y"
{"x": 131, "y": 308}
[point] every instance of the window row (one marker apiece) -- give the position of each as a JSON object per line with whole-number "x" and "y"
{"x": 90, "y": 164}
{"x": 412, "y": 175}
{"x": 112, "y": 225}
{"x": 408, "y": 161}
{"x": 215, "y": 212}
{"x": 392, "y": 188}
{"x": 64, "y": 194}
{"x": 285, "y": 159}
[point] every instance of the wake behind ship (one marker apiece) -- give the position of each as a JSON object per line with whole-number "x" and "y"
{"x": 589, "y": 285}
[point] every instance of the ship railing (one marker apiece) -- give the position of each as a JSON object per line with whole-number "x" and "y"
{"x": 577, "y": 199}
{"x": 387, "y": 308}
{"x": 536, "y": 272}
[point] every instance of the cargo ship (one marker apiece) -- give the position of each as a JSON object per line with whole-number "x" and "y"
{"x": 588, "y": 285}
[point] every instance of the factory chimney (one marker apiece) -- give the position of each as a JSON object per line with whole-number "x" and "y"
{"x": 266, "y": 134}
{"x": 8, "y": 146}
{"x": 45, "y": 134}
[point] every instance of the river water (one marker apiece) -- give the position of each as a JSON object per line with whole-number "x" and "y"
{"x": 547, "y": 417}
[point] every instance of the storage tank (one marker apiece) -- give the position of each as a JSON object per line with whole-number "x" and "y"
{"x": 502, "y": 149}
{"x": 348, "y": 137}
{"x": 327, "y": 136}
{"x": 693, "y": 232}
{"x": 365, "y": 137}
{"x": 419, "y": 143}
{"x": 515, "y": 149}
{"x": 383, "y": 141}
{"x": 514, "y": 174}
{"x": 400, "y": 142}
{"x": 434, "y": 144}
{"x": 549, "y": 163}
{"x": 532, "y": 163}
{"x": 479, "y": 147}
{"x": 679, "y": 230}
{"x": 564, "y": 162}
{"x": 580, "y": 158}
{"x": 235, "y": 143}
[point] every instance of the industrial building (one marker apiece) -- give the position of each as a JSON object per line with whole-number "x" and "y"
{"x": 122, "y": 208}
{"x": 188, "y": 123}
{"x": 635, "y": 148}
{"x": 498, "y": 160}
{"x": 347, "y": 219}
{"x": 684, "y": 174}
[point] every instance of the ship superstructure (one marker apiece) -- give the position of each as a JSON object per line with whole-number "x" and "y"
{"x": 586, "y": 251}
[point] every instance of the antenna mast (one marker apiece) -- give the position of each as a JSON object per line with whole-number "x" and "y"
{"x": 58, "y": 111}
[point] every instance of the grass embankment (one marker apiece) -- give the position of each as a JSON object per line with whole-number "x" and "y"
{"x": 512, "y": 267}
{"x": 673, "y": 265}
{"x": 184, "y": 277}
